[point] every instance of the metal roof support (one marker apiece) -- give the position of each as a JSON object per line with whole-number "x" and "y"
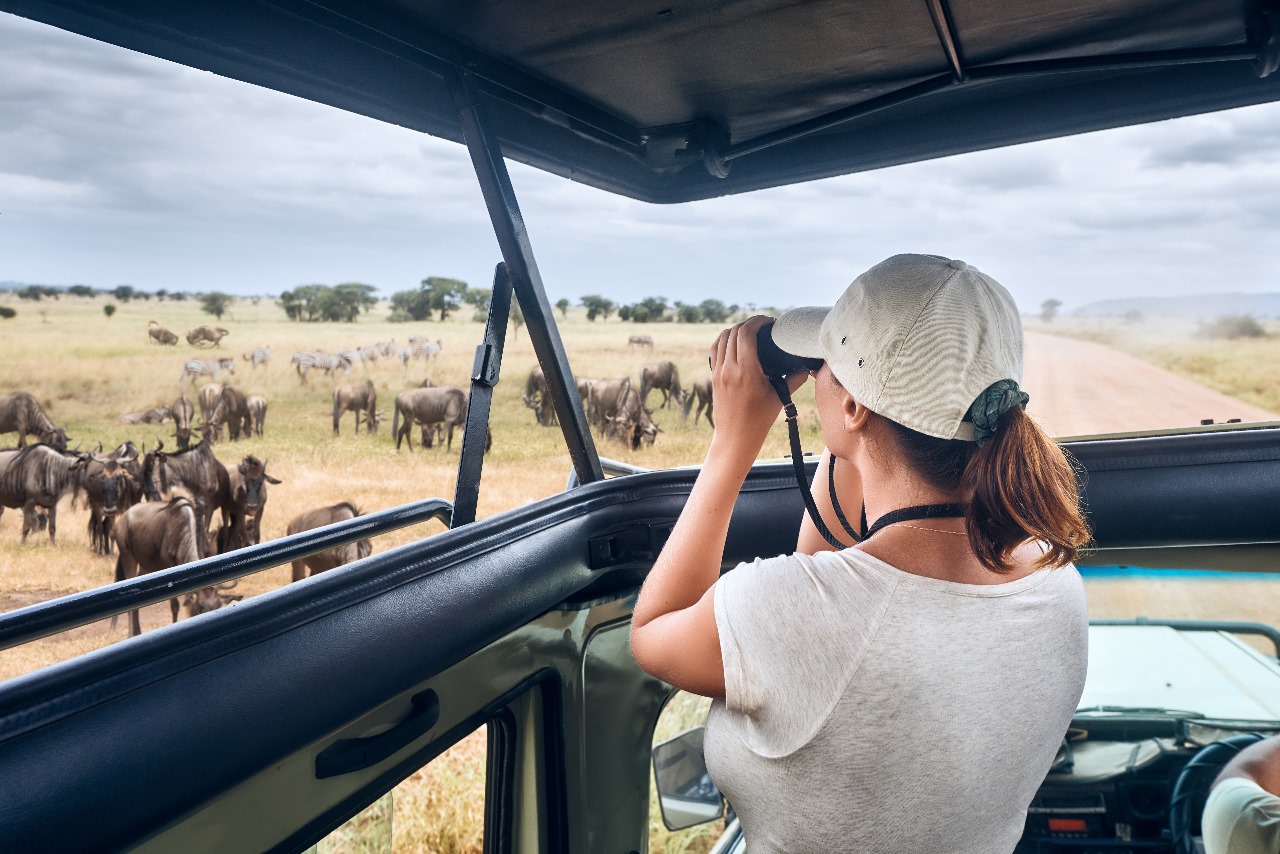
{"x": 517, "y": 253}
{"x": 946, "y": 27}
{"x": 484, "y": 376}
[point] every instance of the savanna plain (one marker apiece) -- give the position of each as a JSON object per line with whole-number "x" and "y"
{"x": 86, "y": 369}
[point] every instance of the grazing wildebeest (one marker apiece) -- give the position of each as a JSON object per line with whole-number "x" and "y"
{"x": 193, "y": 369}
{"x": 645, "y": 342}
{"x": 38, "y": 476}
{"x": 160, "y": 335}
{"x": 231, "y": 409}
{"x": 154, "y": 415}
{"x": 357, "y": 398}
{"x": 258, "y": 413}
{"x": 248, "y": 482}
{"x": 329, "y": 558}
{"x": 537, "y": 396}
{"x": 209, "y": 394}
{"x": 701, "y": 391}
{"x": 183, "y": 413}
{"x": 206, "y": 335}
{"x": 207, "y": 599}
{"x": 446, "y": 405}
{"x": 198, "y": 472}
{"x": 258, "y": 356}
{"x": 19, "y": 413}
{"x": 665, "y": 377}
{"x": 111, "y": 486}
{"x": 156, "y": 536}
{"x": 604, "y": 398}
{"x": 631, "y": 423}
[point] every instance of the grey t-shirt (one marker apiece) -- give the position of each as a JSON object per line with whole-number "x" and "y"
{"x": 871, "y": 709}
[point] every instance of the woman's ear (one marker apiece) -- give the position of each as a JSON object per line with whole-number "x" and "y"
{"x": 855, "y": 414}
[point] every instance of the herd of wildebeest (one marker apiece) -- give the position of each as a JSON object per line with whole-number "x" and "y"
{"x": 158, "y": 509}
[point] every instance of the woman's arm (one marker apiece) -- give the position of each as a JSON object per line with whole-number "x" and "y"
{"x": 848, "y": 491}
{"x": 673, "y": 626}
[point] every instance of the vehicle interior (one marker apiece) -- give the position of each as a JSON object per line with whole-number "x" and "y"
{"x": 268, "y": 725}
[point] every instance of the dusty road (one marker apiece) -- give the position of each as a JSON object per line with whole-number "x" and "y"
{"x": 1078, "y": 388}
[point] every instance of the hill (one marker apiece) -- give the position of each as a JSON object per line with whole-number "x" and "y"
{"x": 1192, "y": 306}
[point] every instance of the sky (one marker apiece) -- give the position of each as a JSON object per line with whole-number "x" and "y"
{"x": 119, "y": 168}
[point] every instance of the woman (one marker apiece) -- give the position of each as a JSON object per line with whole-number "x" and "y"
{"x": 908, "y": 693}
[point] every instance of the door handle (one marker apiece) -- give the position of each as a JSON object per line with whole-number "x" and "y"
{"x": 354, "y": 754}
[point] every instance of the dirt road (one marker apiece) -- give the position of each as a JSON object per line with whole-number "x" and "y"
{"x": 1078, "y": 388}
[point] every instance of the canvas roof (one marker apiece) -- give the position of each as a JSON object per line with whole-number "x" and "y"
{"x": 672, "y": 100}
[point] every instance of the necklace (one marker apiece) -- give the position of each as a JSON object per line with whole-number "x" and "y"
{"x": 935, "y": 530}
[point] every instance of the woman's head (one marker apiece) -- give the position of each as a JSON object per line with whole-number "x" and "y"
{"x": 934, "y": 348}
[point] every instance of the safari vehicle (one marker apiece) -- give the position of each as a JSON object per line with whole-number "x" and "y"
{"x": 267, "y": 725}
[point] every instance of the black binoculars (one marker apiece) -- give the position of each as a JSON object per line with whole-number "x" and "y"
{"x": 777, "y": 363}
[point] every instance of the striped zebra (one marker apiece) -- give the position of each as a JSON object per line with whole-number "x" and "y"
{"x": 387, "y": 348}
{"x": 369, "y": 354}
{"x": 193, "y": 369}
{"x": 405, "y": 355}
{"x": 319, "y": 360}
{"x": 258, "y": 356}
{"x": 423, "y": 349}
{"x": 350, "y": 358}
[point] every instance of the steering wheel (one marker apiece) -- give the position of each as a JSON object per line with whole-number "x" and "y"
{"x": 1191, "y": 789}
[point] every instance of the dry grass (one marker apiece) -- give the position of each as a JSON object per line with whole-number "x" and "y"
{"x": 87, "y": 370}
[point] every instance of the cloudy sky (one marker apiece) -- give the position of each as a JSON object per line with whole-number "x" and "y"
{"x": 120, "y": 168}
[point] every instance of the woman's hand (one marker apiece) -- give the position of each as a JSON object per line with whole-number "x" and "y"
{"x": 746, "y": 404}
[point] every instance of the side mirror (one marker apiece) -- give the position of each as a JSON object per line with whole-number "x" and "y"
{"x": 685, "y": 791}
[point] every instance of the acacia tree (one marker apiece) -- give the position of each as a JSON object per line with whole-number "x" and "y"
{"x": 215, "y": 303}
{"x": 563, "y": 304}
{"x": 597, "y": 306}
{"x": 1049, "y": 309}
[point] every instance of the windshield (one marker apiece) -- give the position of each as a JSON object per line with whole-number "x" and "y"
{"x": 154, "y": 215}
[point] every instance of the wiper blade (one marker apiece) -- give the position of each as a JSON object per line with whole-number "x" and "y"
{"x": 1138, "y": 710}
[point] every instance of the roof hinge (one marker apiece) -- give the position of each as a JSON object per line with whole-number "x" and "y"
{"x": 945, "y": 25}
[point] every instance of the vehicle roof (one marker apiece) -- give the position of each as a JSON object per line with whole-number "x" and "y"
{"x": 655, "y": 99}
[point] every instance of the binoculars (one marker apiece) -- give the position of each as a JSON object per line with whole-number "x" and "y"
{"x": 777, "y": 363}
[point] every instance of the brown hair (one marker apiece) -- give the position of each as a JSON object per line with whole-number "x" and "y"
{"x": 1021, "y": 486}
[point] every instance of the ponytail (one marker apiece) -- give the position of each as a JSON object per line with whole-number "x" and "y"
{"x": 1020, "y": 485}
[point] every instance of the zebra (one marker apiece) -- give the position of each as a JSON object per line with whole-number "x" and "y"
{"x": 259, "y": 356}
{"x": 387, "y": 348}
{"x": 405, "y": 355}
{"x": 318, "y": 359}
{"x": 196, "y": 368}
{"x": 350, "y": 358}
{"x": 370, "y": 354}
{"x": 423, "y": 349}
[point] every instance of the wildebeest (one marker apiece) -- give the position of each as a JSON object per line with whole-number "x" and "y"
{"x": 701, "y": 391}
{"x": 193, "y": 369}
{"x": 357, "y": 398}
{"x": 603, "y": 399}
{"x": 231, "y": 409}
{"x": 631, "y": 423}
{"x": 644, "y": 342}
{"x": 258, "y": 413}
{"x": 38, "y": 476}
{"x": 183, "y": 413}
{"x": 19, "y": 413}
{"x": 207, "y": 599}
{"x": 329, "y": 558}
{"x": 199, "y": 473}
{"x": 248, "y": 487}
{"x": 209, "y": 394}
{"x": 156, "y": 536}
{"x": 111, "y": 486}
{"x": 206, "y": 335}
{"x": 258, "y": 356}
{"x": 665, "y": 377}
{"x": 446, "y": 405}
{"x": 537, "y": 396}
{"x": 154, "y": 415}
{"x": 160, "y": 335}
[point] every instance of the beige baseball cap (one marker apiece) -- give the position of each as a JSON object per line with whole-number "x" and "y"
{"x": 916, "y": 339}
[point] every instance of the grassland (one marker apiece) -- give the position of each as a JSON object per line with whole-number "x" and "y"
{"x": 86, "y": 370}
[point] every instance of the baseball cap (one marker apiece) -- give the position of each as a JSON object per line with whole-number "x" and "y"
{"x": 916, "y": 339}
